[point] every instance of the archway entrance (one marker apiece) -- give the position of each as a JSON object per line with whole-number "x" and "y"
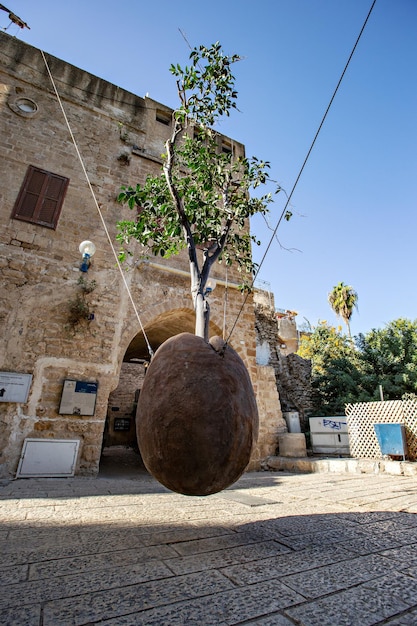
{"x": 120, "y": 452}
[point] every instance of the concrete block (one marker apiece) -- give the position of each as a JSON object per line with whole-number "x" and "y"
{"x": 292, "y": 445}
{"x": 393, "y": 467}
{"x": 409, "y": 468}
{"x": 337, "y": 466}
{"x": 352, "y": 466}
{"x": 368, "y": 466}
{"x": 321, "y": 465}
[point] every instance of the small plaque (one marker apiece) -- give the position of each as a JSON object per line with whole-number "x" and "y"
{"x": 78, "y": 398}
{"x": 14, "y": 387}
{"x": 121, "y": 423}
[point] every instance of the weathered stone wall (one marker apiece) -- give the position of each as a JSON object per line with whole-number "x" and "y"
{"x": 39, "y": 267}
{"x": 292, "y": 373}
{"x": 272, "y": 423}
{"x": 269, "y": 400}
{"x": 294, "y": 385}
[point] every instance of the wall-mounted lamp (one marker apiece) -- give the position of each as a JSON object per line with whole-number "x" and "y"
{"x": 87, "y": 249}
{"x": 210, "y": 286}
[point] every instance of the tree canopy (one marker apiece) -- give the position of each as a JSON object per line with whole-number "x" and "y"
{"x": 202, "y": 197}
{"x": 389, "y": 358}
{"x": 344, "y": 371}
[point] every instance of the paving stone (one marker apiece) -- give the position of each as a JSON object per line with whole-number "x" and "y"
{"x": 223, "y": 558}
{"x": 198, "y": 546}
{"x": 32, "y": 592}
{"x": 229, "y": 607}
{"x": 290, "y": 526}
{"x": 337, "y": 576}
{"x": 364, "y": 605}
{"x": 112, "y": 603}
{"x": 281, "y": 565}
{"x": 27, "y": 555}
{"x": 184, "y": 535}
{"x": 406, "y": 556}
{"x": 21, "y": 616}
{"x": 98, "y": 561}
{"x": 247, "y": 499}
{"x": 405, "y": 619}
{"x": 405, "y": 536}
{"x": 309, "y": 539}
{"x": 398, "y": 522}
{"x": 378, "y": 540}
{"x": 42, "y": 544}
{"x": 375, "y": 517}
{"x": 14, "y": 574}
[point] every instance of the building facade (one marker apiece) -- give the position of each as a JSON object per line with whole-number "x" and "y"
{"x": 58, "y": 324}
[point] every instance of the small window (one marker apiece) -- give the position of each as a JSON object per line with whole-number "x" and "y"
{"x": 26, "y": 105}
{"x": 40, "y": 197}
{"x": 163, "y": 117}
{"x": 227, "y": 147}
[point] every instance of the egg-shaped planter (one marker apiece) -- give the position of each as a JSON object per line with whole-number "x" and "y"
{"x": 197, "y": 418}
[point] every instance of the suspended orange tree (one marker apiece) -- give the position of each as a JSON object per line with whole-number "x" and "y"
{"x": 202, "y": 197}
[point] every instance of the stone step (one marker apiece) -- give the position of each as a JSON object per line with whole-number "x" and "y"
{"x": 339, "y": 465}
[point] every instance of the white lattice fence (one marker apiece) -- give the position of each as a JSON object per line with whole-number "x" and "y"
{"x": 362, "y": 416}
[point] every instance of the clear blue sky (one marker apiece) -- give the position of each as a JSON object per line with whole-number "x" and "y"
{"x": 355, "y": 217}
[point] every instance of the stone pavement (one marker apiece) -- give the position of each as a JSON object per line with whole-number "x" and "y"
{"x": 275, "y": 549}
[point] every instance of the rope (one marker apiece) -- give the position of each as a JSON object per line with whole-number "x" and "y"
{"x": 301, "y": 170}
{"x": 151, "y": 353}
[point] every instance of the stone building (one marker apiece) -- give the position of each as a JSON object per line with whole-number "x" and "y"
{"x": 55, "y": 329}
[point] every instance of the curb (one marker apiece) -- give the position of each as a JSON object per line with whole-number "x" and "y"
{"x": 307, "y": 465}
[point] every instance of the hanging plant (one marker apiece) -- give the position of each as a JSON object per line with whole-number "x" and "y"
{"x": 124, "y": 158}
{"x": 79, "y": 308}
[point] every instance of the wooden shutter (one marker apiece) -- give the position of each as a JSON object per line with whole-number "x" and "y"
{"x": 40, "y": 198}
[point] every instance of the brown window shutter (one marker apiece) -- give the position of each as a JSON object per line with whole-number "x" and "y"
{"x": 40, "y": 198}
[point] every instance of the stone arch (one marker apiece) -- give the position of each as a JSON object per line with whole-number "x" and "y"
{"x": 161, "y": 328}
{"x": 175, "y": 313}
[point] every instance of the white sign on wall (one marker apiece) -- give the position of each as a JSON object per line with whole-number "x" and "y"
{"x": 14, "y": 387}
{"x": 78, "y": 398}
{"x": 48, "y": 458}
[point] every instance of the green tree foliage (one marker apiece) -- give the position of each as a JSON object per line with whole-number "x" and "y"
{"x": 335, "y": 374}
{"x": 343, "y": 299}
{"x": 388, "y": 357}
{"x": 202, "y": 197}
{"x": 344, "y": 372}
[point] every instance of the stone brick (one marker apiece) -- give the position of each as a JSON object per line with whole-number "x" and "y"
{"x": 292, "y": 444}
{"x": 393, "y": 467}
{"x": 409, "y": 469}
{"x": 368, "y": 466}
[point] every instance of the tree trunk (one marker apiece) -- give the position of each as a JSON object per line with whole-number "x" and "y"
{"x": 202, "y": 317}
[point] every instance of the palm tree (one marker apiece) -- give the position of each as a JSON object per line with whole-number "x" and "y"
{"x": 343, "y": 299}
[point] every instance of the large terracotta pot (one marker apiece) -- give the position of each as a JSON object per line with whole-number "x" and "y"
{"x": 197, "y": 418}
